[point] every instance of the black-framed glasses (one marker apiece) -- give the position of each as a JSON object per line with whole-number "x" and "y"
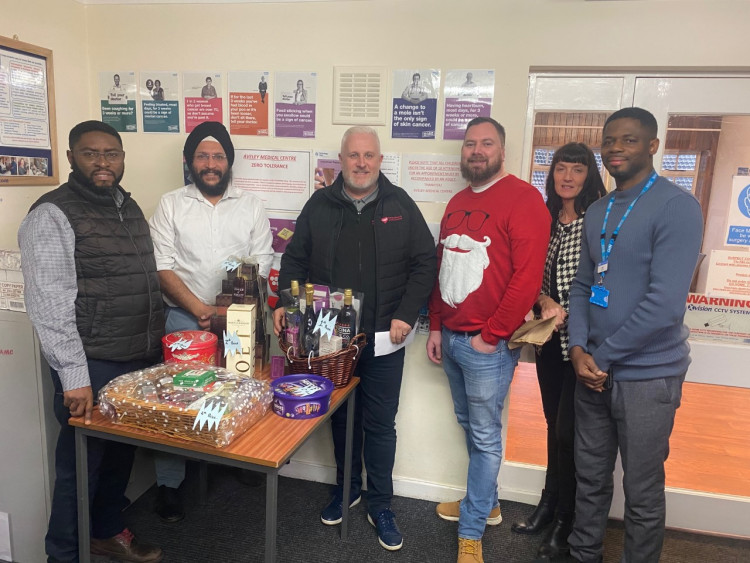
{"x": 474, "y": 219}
{"x": 94, "y": 156}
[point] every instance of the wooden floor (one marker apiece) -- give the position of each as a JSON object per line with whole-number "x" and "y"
{"x": 709, "y": 448}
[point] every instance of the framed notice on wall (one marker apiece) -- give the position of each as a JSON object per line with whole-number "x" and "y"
{"x": 28, "y": 134}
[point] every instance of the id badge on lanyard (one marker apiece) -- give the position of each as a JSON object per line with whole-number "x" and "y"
{"x": 599, "y": 293}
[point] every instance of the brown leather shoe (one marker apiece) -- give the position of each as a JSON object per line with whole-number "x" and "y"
{"x": 125, "y": 547}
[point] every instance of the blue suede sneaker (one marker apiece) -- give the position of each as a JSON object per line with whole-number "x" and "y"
{"x": 389, "y": 535}
{"x": 332, "y": 514}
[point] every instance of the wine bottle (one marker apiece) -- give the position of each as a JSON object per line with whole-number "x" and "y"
{"x": 293, "y": 317}
{"x": 309, "y": 339}
{"x": 346, "y": 322}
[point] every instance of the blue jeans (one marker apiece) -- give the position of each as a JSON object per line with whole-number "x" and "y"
{"x": 375, "y": 411}
{"x": 109, "y": 465}
{"x": 170, "y": 468}
{"x": 479, "y": 384}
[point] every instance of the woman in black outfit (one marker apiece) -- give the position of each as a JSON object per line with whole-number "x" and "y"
{"x": 572, "y": 185}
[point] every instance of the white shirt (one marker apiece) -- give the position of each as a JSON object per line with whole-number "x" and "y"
{"x": 193, "y": 238}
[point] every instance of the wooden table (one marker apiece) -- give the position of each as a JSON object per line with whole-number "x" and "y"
{"x": 265, "y": 447}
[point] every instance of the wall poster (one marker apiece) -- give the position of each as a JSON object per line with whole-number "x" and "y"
{"x": 415, "y": 110}
{"x": 248, "y": 102}
{"x": 295, "y": 97}
{"x": 28, "y": 131}
{"x": 117, "y": 89}
{"x": 160, "y": 101}
{"x": 468, "y": 94}
{"x": 203, "y": 93}
{"x": 281, "y": 179}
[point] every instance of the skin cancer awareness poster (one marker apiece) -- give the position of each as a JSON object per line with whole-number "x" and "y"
{"x": 160, "y": 105}
{"x": 117, "y": 90}
{"x": 468, "y": 94}
{"x": 248, "y": 102}
{"x": 203, "y": 98}
{"x": 415, "y": 110}
{"x": 295, "y": 95}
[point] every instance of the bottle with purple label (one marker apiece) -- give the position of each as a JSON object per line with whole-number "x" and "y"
{"x": 293, "y": 318}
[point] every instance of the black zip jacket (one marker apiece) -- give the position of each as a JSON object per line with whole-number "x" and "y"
{"x": 401, "y": 252}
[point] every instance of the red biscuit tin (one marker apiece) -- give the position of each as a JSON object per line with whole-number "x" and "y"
{"x": 190, "y": 346}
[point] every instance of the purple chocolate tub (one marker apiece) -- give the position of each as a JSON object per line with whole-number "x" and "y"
{"x": 301, "y": 395}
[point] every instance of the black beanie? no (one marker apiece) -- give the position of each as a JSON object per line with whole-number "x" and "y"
{"x": 208, "y": 129}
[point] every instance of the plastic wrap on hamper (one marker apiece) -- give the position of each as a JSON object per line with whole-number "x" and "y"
{"x": 193, "y": 401}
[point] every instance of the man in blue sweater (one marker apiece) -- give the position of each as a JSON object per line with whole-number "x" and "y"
{"x": 628, "y": 343}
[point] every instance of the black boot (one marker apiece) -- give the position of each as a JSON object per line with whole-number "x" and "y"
{"x": 542, "y": 515}
{"x": 555, "y": 541}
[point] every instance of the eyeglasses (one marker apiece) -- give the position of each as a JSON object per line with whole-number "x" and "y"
{"x": 205, "y": 157}
{"x": 475, "y": 220}
{"x": 94, "y": 156}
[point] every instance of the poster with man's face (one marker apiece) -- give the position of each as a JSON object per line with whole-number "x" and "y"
{"x": 117, "y": 93}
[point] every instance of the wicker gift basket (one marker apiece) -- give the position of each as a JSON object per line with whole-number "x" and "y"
{"x": 211, "y": 413}
{"x": 338, "y": 367}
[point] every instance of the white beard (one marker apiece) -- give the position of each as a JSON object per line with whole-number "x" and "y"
{"x": 461, "y": 273}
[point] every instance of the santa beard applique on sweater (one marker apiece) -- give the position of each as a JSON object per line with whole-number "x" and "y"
{"x": 462, "y": 267}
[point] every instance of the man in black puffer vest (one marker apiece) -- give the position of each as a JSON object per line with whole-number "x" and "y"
{"x": 92, "y": 294}
{"x": 364, "y": 233}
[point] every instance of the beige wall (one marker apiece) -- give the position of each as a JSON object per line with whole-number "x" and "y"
{"x": 509, "y": 36}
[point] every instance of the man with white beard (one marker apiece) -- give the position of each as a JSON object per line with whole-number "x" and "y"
{"x": 493, "y": 244}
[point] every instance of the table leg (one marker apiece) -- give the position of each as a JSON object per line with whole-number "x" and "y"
{"x": 272, "y": 494}
{"x": 82, "y": 483}
{"x": 347, "y": 466}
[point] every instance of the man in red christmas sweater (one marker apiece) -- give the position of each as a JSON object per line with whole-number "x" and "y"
{"x": 493, "y": 243}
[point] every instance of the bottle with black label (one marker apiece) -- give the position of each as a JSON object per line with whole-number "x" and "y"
{"x": 293, "y": 317}
{"x": 346, "y": 322}
{"x": 309, "y": 339}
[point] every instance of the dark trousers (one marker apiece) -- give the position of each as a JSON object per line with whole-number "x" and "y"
{"x": 375, "y": 420}
{"x": 557, "y": 383}
{"x": 636, "y": 418}
{"x": 109, "y": 465}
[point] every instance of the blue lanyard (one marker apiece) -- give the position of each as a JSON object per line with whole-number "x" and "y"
{"x": 607, "y": 249}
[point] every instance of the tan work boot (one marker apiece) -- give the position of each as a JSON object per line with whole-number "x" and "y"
{"x": 469, "y": 551}
{"x": 452, "y": 510}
